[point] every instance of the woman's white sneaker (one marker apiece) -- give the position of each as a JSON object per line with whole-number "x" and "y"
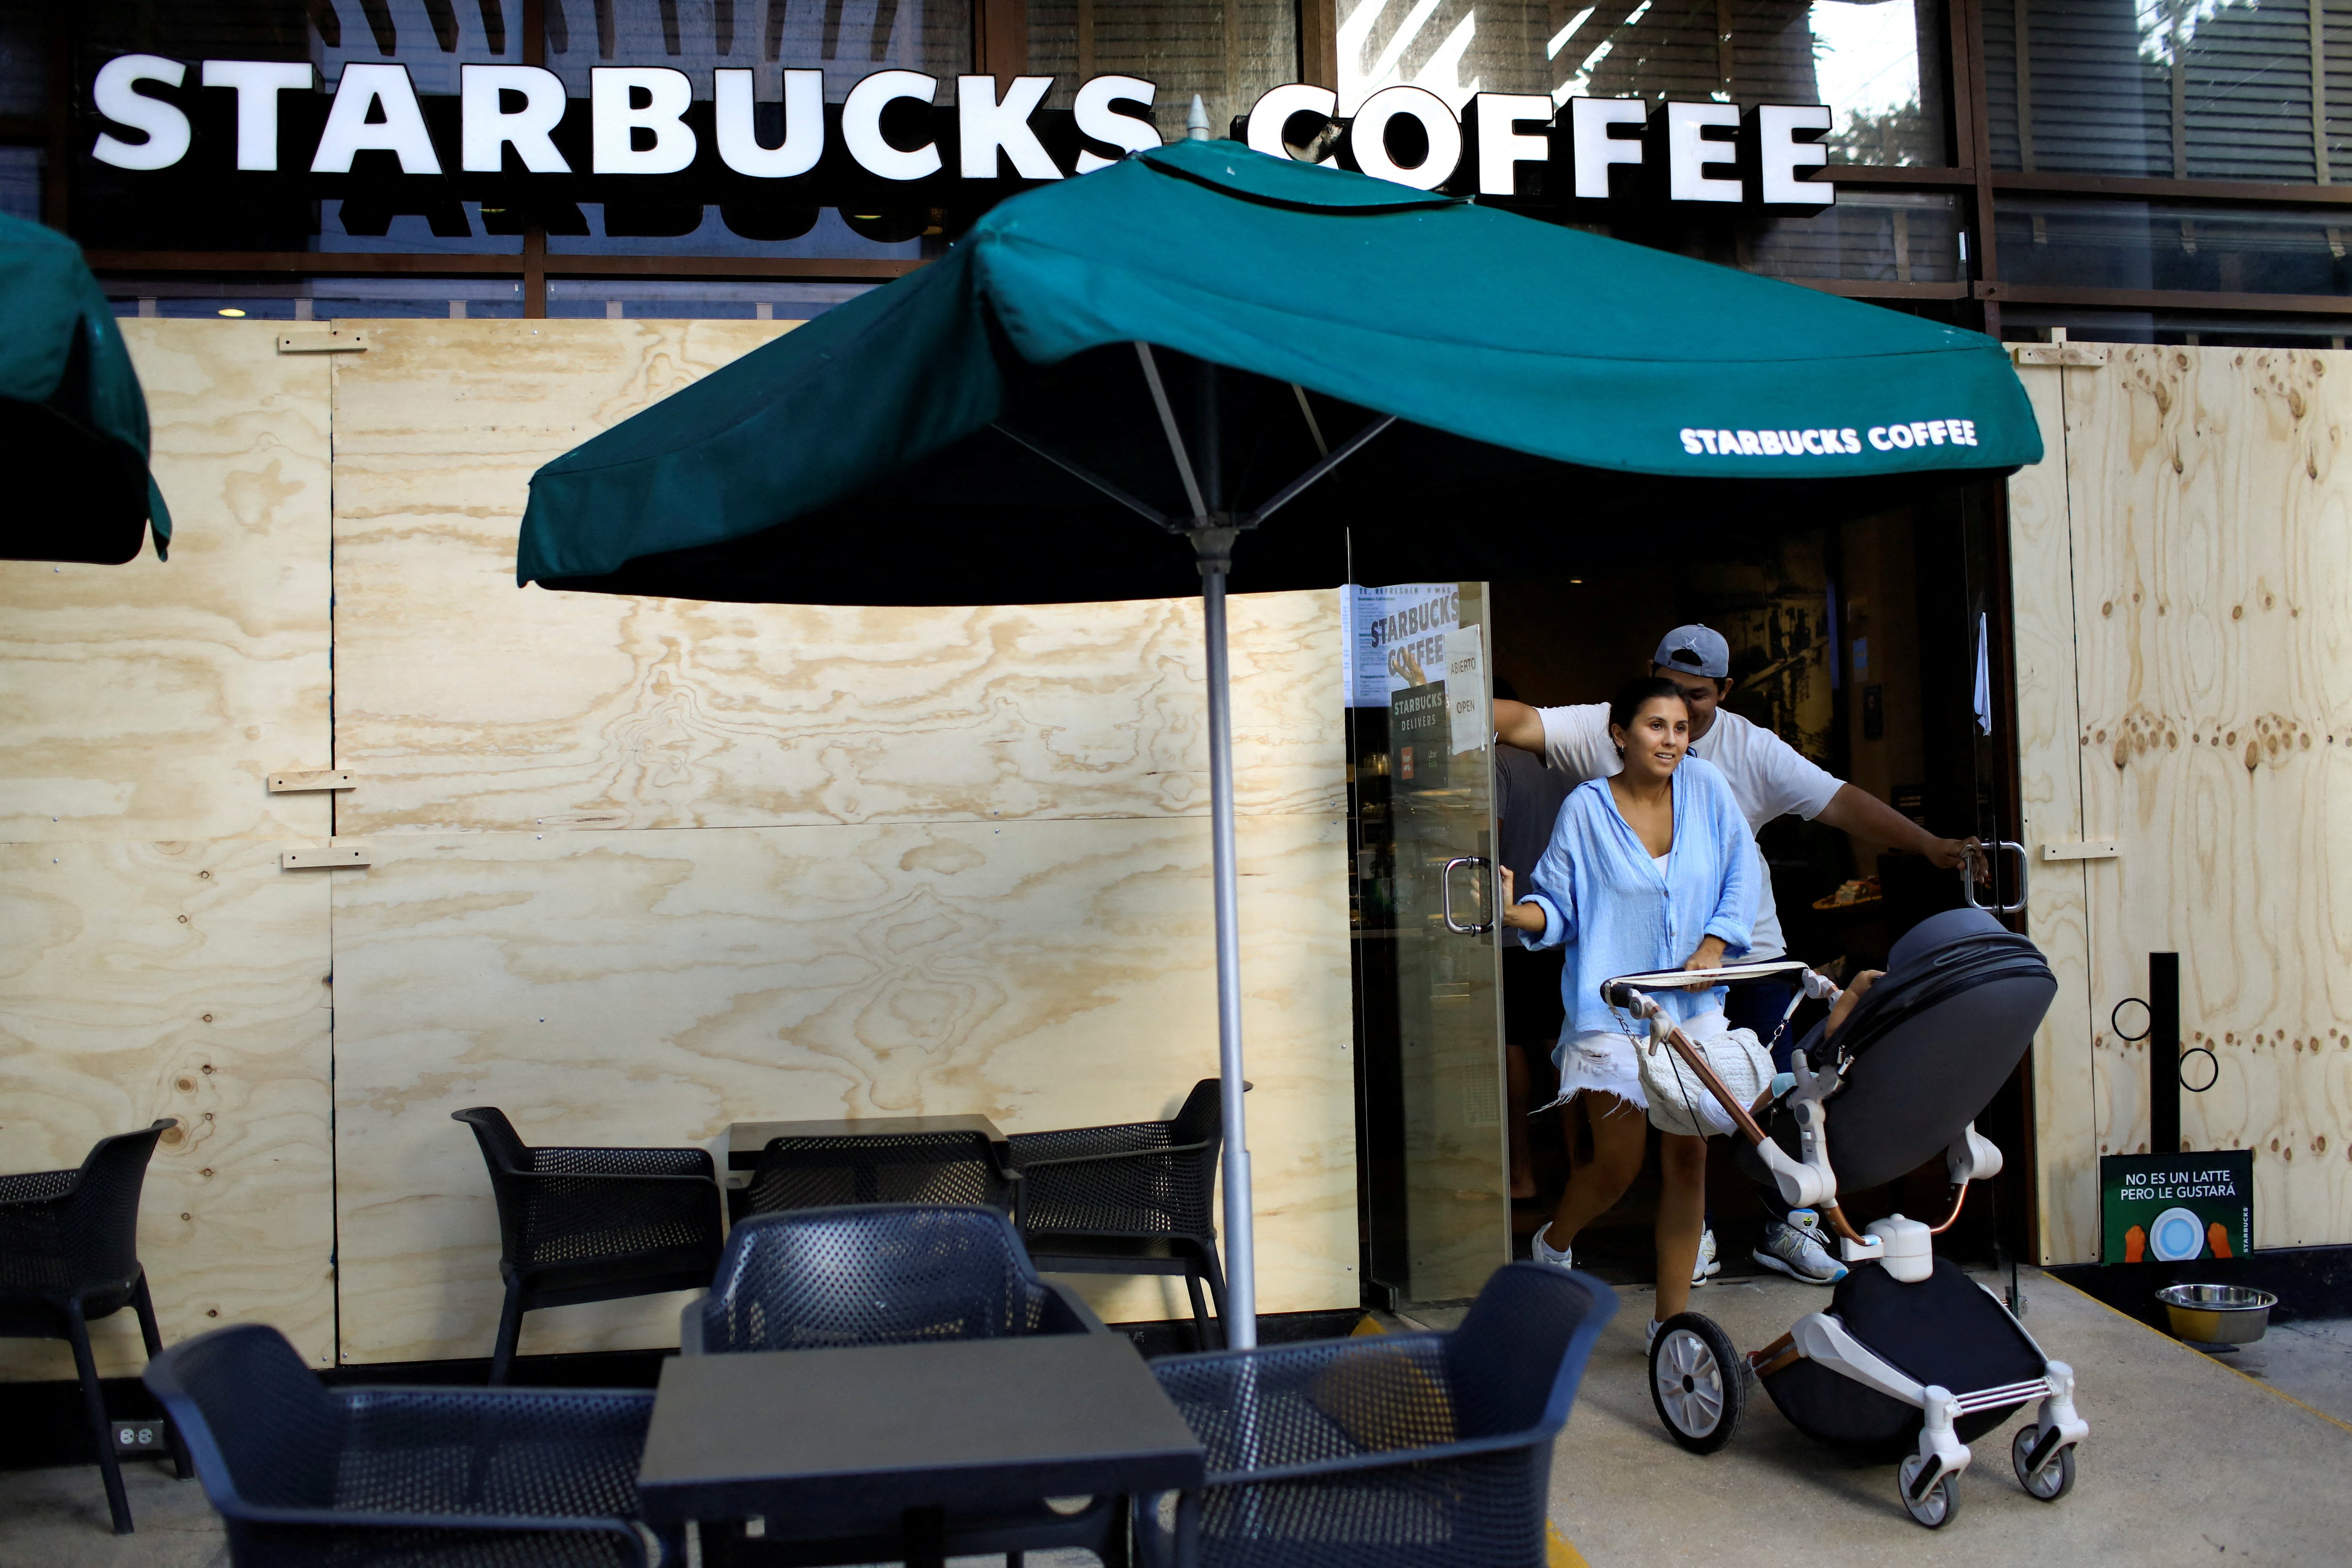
{"x": 1707, "y": 1263}
{"x": 1544, "y": 1252}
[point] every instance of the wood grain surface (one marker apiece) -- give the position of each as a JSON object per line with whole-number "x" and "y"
{"x": 465, "y": 703}
{"x": 2042, "y": 590}
{"x": 148, "y": 700}
{"x": 2213, "y": 578}
{"x": 651, "y": 986}
{"x": 187, "y": 980}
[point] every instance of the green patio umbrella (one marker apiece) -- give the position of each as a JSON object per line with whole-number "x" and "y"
{"x": 73, "y": 423}
{"x": 1196, "y": 336}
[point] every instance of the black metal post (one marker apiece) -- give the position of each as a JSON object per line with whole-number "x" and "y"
{"x": 2164, "y": 1053}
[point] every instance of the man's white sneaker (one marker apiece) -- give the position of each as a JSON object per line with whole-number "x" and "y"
{"x": 1795, "y": 1249}
{"x": 1545, "y": 1252}
{"x": 1707, "y": 1263}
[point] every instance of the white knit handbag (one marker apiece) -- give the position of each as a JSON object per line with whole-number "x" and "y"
{"x": 1679, "y": 1102}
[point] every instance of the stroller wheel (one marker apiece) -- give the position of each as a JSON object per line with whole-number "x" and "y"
{"x": 1695, "y": 1382}
{"x": 1941, "y": 1502}
{"x": 2056, "y": 1477}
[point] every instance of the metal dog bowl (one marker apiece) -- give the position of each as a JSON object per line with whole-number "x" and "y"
{"x": 2218, "y": 1315}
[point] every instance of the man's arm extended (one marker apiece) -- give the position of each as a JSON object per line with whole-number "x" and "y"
{"x": 1517, "y": 724}
{"x": 1859, "y": 811}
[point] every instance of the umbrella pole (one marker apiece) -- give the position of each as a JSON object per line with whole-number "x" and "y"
{"x": 1214, "y": 546}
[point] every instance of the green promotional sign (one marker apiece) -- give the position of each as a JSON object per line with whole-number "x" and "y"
{"x": 2171, "y": 1208}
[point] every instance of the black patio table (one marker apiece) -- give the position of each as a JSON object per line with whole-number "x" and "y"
{"x": 818, "y": 1444}
{"x": 746, "y": 1139}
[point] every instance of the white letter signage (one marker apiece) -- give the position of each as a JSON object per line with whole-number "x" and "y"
{"x": 1368, "y": 137}
{"x": 614, "y": 117}
{"x": 985, "y": 127}
{"x": 1091, "y": 108}
{"x": 490, "y": 127}
{"x": 1273, "y": 109}
{"x": 636, "y": 121}
{"x": 1690, "y": 152}
{"x": 1595, "y": 144}
{"x": 401, "y": 132}
{"x": 738, "y": 142}
{"x": 116, "y": 95}
{"x": 1779, "y": 154}
{"x": 257, "y": 84}
{"x": 1502, "y": 145}
{"x": 861, "y": 125}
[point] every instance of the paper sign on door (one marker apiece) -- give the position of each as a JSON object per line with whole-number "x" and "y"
{"x": 1466, "y": 689}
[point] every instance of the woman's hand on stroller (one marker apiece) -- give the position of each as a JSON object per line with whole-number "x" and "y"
{"x": 1708, "y": 956}
{"x": 1860, "y": 983}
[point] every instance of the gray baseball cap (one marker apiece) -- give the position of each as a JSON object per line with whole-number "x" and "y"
{"x": 1699, "y": 650}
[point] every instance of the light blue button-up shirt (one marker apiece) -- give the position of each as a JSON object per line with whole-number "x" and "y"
{"x": 1605, "y": 900}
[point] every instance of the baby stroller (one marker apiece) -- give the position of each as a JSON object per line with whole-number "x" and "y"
{"x": 1912, "y": 1360}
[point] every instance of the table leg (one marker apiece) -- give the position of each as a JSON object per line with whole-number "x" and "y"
{"x": 927, "y": 1537}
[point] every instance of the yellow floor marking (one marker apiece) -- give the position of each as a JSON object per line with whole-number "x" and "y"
{"x": 2217, "y": 1361}
{"x": 1368, "y": 1325}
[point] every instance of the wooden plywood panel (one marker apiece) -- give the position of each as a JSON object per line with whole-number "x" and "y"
{"x": 2049, "y": 788}
{"x": 148, "y": 700}
{"x": 653, "y": 986}
{"x": 467, "y": 704}
{"x": 2213, "y": 569}
{"x": 186, "y": 980}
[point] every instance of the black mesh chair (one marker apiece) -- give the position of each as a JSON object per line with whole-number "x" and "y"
{"x": 1130, "y": 1199}
{"x": 594, "y": 1225}
{"x": 1429, "y": 1450}
{"x": 69, "y": 1254}
{"x": 829, "y": 1170}
{"x": 881, "y": 1275}
{"x": 497, "y": 1477}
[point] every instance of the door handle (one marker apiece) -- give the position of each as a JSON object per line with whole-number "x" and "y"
{"x": 1969, "y": 882}
{"x": 1446, "y": 896}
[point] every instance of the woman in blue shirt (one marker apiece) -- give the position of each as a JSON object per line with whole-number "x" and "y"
{"x": 1651, "y": 869}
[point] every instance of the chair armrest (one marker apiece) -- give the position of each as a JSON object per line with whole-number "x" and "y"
{"x": 1067, "y": 1313}
{"x": 38, "y": 1187}
{"x": 636, "y": 1544}
{"x": 597, "y": 1437}
{"x": 1162, "y": 1151}
{"x": 634, "y": 1163}
{"x": 689, "y": 1324}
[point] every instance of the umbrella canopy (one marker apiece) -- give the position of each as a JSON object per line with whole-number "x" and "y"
{"x": 1510, "y": 347}
{"x": 987, "y": 429}
{"x": 73, "y": 423}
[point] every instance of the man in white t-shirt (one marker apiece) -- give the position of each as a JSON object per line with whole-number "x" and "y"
{"x": 1771, "y": 779}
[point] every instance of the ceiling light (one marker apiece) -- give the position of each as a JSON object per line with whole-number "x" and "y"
{"x": 232, "y": 310}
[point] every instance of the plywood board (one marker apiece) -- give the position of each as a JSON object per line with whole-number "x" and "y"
{"x": 653, "y": 986}
{"x": 2050, "y": 789}
{"x": 187, "y": 980}
{"x": 148, "y": 700}
{"x": 2213, "y": 563}
{"x": 464, "y": 703}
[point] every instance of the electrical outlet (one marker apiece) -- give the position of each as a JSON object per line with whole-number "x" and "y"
{"x": 145, "y": 1435}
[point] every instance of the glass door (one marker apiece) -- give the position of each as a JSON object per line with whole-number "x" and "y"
{"x": 1428, "y": 972}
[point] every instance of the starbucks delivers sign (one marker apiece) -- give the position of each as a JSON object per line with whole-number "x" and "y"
{"x": 2170, "y": 1208}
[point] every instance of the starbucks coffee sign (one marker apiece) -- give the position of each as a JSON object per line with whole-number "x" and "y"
{"x": 511, "y": 125}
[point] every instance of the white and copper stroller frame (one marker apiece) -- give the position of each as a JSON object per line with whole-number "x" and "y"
{"x": 1876, "y": 1372}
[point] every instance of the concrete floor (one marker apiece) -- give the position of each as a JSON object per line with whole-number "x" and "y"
{"x": 2189, "y": 1460}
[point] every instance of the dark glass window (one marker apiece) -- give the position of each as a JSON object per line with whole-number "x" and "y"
{"x": 1878, "y": 65}
{"x": 2150, "y": 245}
{"x": 1228, "y": 51}
{"x": 2191, "y": 89}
